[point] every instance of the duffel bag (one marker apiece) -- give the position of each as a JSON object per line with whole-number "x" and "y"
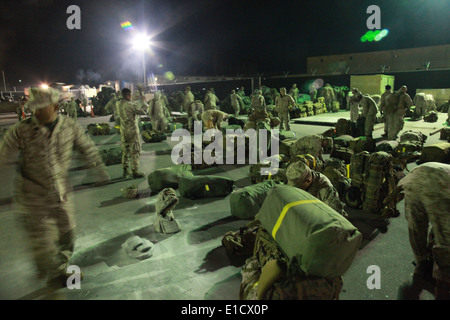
{"x": 246, "y": 202}
{"x": 314, "y": 237}
{"x": 168, "y": 177}
{"x": 439, "y": 152}
{"x": 207, "y": 186}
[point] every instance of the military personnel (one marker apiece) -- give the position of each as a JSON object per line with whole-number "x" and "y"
{"x": 236, "y": 101}
{"x": 397, "y": 104}
{"x": 369, "y": 112}
{"x": 241, "y": 92}
{"x": 188, "y": 98}
{"x": 258, "y": 102}
{"x": 211, "y": 100}
{"x": 299, "y": 175}
{"x": 20, "y": 110}
{"x": 354, "y": 104}
{"x": 213, "y": 118}
{"x": 313, "y": 94}
{"x": 43, "y": 145}
{"x": 383, "y": 103}
{"x": 195, "y": 112}
{"x": 129, "y": 132}
{"x": 427, "y": 202}
{"x": 313, "y": 144}
{"x": 284, "y": 103}
{"x": 111, "y": 106}
{"x": 158, "y": 112}
{"x": 294, "y": 92}
{"x": 72, "y": 108}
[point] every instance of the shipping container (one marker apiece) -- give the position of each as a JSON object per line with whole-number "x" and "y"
{"x": 371, "y": 84}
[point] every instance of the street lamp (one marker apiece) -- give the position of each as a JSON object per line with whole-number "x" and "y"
{"x": 141, "y": 42}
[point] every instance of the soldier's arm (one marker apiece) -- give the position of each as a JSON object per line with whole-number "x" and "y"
{"x": 84, "y": 144}
{"x": 330, "y": 197}
{"x": 10, "y": 146}
{"x": 141, "y": 108}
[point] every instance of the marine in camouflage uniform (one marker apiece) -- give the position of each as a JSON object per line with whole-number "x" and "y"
{"x": 112, "y": 105}
{"x": 211, "y": 100}
{"x": 396, "y": 106}
{"x": 213, "y": 118}
{"x": 195, "y": 111}
{"x": 72, "y": 108}
{"x": 383, "y": 103}
{"x": 44, "y": 145}
{"x": 235, "y": 102}
{"x": 259, "y": 112}
{"x": 354, "y": 104}
{"x": 158, "y": 112}
{"x": 284, "y": 103}
{"x": 427, "y": 202}
{"x": 267, "y": 276}
{"x": 318, "y": 185}
{"x": 188, "y": 98}
{"x": 369, "y": 112}
{"x": 129, "y": 132}
{"x": 312, "y": 144}
{"x": 294, "y": 93}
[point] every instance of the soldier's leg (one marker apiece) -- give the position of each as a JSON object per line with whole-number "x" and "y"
{"x": 288, "y": 127}
{"x": 135, "y": 154}
{"x": 368, "y": 126}
{"x": 125, "y": 155}
{"x": 282, "y": 121}
{"x": 417, "y": 219}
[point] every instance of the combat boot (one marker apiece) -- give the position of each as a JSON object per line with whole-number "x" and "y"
{"x": 136, "y": 174}
{"x": 126, "y": 173}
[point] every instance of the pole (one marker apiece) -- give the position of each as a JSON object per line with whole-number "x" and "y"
{"x": 143, "y": 66}
{"x": 4, "y": 82}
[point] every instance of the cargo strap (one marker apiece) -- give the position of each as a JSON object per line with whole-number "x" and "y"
{"x": 285, "y": 210}
{"x": 307, "y": 162}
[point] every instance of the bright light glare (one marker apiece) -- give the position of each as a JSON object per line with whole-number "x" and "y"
{"x": 141, "y": 41}
{"x": 44, "y": 86}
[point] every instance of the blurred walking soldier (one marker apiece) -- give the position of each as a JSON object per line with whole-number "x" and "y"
{"x": 129, "y": 113}
{"x": 284, "y": 103}
{"x": 235, "y": 102}
{"x": 72, "y": 108}
{"x": 158, "y": 112}
{"x": 43, "y": 145}
{"x": 211, "y": 100}
{"x": 383, "y": 103}
{"x": 188, "y": 98}
{"x": 354, "y": 105}
{"x": 195, "y": 112}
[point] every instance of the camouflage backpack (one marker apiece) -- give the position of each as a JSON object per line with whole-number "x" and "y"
{"x": 379, "y": 181}
{"x": 431, "y": 116}
{"x": 357, "y": 170}
{"x": 345, "y": 127}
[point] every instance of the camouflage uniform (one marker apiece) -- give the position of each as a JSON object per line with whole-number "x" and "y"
{"x": 129, "y": 132}
{"x": 194, "y": 112}
{"x": 213, "y": 118}
{"x": 72, "y": 108}
{"x": 43, "y": 192}
{"x": 312, "y": 144}
{"x": 241, "y": 92}
{"x": 354, "y": 108}
{"x": 188, "y": 99}
{"x": 383, "y": 103}
{"x": 294, "y": 93}
{"x": 427, "y": 202}
{"x": 284, "y": 103}
{"x": 368, "y": 111}
{"x": 211, "y": 101}
{"x": 158, "y": 112}
{"x": 235, "y": 98}
{"x": 313, "y": 94}
{"x": 320, "y": 187}
{"x": 398, "y": 115}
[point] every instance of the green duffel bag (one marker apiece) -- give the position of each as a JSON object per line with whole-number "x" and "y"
{"x": 439, "y": 152}
{"x": 315, "y": 238}
{"x": 287, "y": 135}
{"x": 111, "y": 156}
{"x": 208, "y": 186}
{"x": 168, "y": 177}
{"x": 246, "y": 202}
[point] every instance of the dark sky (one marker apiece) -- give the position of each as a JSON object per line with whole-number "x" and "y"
{"x": 201, "y": 37}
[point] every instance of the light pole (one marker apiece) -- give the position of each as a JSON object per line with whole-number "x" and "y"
{"x": 142, "y": 42}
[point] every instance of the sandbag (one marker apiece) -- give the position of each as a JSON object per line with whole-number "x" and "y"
{"x": 315, "y": 238}
{"x": 207, "y": 186}
{"x": 439, "y": 152}
{"x": 246, "y": 202}
{"x": 168, "y": 177}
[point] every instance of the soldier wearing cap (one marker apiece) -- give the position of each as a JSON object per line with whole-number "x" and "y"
{"x": 299, "y": 175}
{"x": 129, "y": 132}
{"x": 211, "y": 100}
{"x": 43, "y": 145}
{"x": 284, "y": 103}
{"x": 188, "y": 98}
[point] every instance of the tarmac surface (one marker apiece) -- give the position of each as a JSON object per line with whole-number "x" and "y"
{"x": 191, "y": 264}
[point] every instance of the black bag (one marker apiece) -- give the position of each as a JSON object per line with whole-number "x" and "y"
{"x": 342, "y": 153}
{"x": 360, "y": 126}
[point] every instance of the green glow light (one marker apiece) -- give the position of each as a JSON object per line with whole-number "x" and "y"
{"x": 374, "y": 35}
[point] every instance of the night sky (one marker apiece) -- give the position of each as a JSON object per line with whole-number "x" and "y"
{"x": 201, "y": 37}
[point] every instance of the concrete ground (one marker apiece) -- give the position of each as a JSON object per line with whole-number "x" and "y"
{"x": 191, "y": 264}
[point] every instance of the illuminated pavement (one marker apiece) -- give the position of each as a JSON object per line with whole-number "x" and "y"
{"x": 189, "y": 265}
